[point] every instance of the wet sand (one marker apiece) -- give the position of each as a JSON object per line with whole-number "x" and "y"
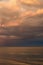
{"x": 21, "y": 55}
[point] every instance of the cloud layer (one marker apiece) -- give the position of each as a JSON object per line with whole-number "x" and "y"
{"x": 22, "y": 17}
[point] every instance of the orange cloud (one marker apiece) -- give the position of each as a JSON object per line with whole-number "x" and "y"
{"x": 30, "y": 1}
{"x": 40, "y": 11}
{"x": 31, "y": 13}
{"x": 11, "y": 23}
{"x": 22, "y": 16}
{"x": 12, "y": 4}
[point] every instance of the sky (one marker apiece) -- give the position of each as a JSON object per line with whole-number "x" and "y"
{"x": 21, "y": 18}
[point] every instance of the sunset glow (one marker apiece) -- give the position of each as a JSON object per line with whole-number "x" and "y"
{"x": 15, "y": 15}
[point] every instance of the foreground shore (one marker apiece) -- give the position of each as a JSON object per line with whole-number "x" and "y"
{"x": 21, "y": 55}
